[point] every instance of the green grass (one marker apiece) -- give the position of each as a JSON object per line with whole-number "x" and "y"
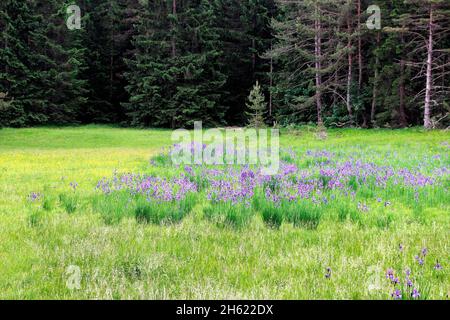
{"x": 131, "y": 250}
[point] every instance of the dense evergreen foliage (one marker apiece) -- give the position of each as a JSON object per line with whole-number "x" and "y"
{"x": 41, "y": 64}
{"x": 168, "y": 63}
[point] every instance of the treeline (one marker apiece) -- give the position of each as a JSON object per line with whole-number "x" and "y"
{"x": 168, "y": 63}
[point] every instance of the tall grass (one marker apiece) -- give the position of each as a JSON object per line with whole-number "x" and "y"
{"x": 113, "y": 207}
{"x": 69, "y": 201}
{"x": 146, "y": 211}
{"x": 119, "y": 205}
{"x": 228, "y": 214}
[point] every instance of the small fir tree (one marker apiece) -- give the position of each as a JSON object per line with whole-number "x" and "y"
{"x": 257, "y": 107}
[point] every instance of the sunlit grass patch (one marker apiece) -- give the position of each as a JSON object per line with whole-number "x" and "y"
{"x": 163, "y": 212}
{"x": 230, "y": 214}
{"x": 113, "y": 207}
{"x": 201, "y": 250}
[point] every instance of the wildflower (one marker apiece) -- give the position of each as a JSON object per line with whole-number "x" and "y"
{"x": 438, "y": 266}
{"x": 424, "y": 252}
{"x": 363, "y": 207}
{"x": 400, "y": 247}
{"x": 73, "y": 185}
{"x": 397, "y": 294}
{"x": 34, "y": 196}
{"x": 389, "y": 273}
{"x": 289, "y": 169}
{"x": 419, "y": 260}
{"x": 415, "y": 294}
{"x": 188, "y": 170}
{"x": 409, "y": 283}
{"x": 408, "y": 272}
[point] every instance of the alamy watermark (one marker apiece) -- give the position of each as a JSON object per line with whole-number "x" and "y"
{"x": 236, "y": 146}
{"x": 73, "y": 21}
{"x": 74, "y": 276}
{"x": 374, "y": 20}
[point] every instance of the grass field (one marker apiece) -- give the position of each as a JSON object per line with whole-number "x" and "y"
{"x": 60, "y": 234}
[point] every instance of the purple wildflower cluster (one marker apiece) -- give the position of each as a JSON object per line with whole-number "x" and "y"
{"x": 320, "y": 179}
{"x": 408, "y": 287}
{"x": 153, "y": 188}
{"x": 292, "y": 183}
{"x": 73, "y": 185}
{"x": 400, "y": 290}
{"x": 238, "y": 188}
{"x": 420, "y": 258}
{"x": 323, "y": 157}
{"x": 34, "y": 197}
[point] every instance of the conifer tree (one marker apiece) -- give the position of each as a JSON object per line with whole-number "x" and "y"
{"x": 175, "y": 77}
{"x": 109, "y": 30}
{"x": 43, "y": 62}
{"x": 427, "y": 23}
{"x": 308, "y": 49}
{"x": 13, "y": 57}
{"x": 257, "y": 107}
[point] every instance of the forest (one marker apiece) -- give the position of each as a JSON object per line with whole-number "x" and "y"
{"x": 168, "y": 63}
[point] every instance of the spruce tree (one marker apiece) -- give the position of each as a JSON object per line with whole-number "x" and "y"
{"x": 175, "y": 77}
{"x": 13, "y": 57}
{"x": 257, "y": 107}
{"x": 109, "y": 30}
{"x": 149, "y": 73}
{"x": 42, "y": 61}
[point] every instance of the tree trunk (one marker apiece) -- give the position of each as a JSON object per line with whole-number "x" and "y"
{"x": 253, "y": 57}
{"x": 111, "y": 62}
{"x": 402, "y": 90}
{"x": 375, "y": 83}
{"x": 360, "y": 60}
{"x": 271, "y": 81}
{"x": 402, "y": 114}
{"x": 349, "y": 71}
{"x": 174, "y": 12}
{"x": 254, "y": 44}
{"x": 318, "y": 66}
{"x": 429, "y": 76}
{"x": 6, "y": 45}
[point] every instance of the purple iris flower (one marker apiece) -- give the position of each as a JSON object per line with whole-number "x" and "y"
{"x": 419, "y": 260}
{"x": 397, "y": 294}
{"x": 424, "y": 252}
{"x": 409, "y": 283}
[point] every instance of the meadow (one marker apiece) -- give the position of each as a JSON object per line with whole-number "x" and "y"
{"x": 98, "y": 212}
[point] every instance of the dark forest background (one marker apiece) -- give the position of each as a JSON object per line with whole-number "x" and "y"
{"x": 167, "y": 63}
